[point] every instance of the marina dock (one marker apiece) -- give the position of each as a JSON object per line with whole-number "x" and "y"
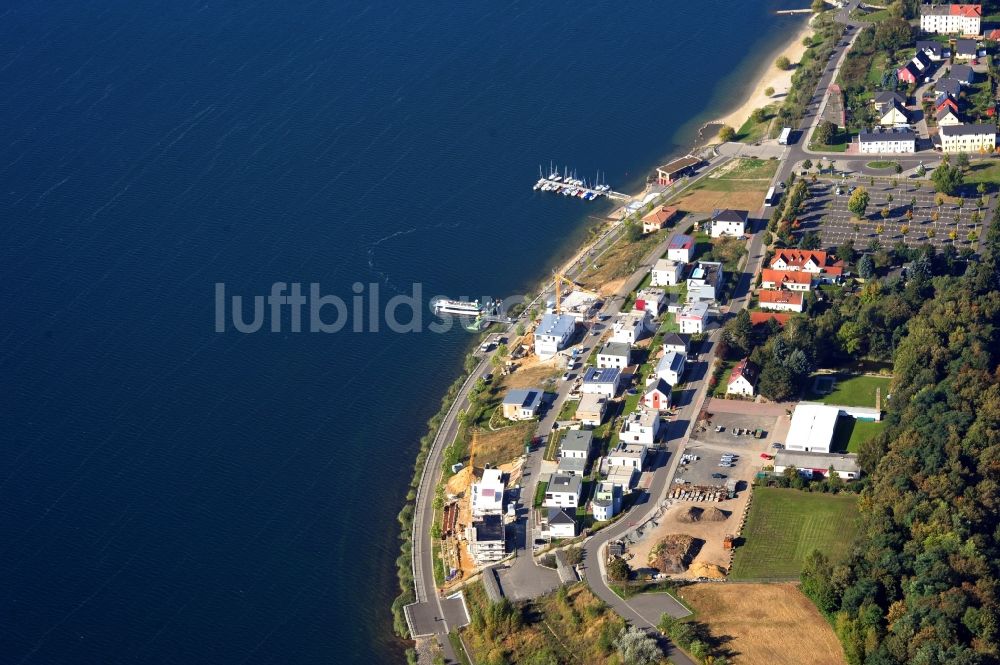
{"x": 570, "y": 185}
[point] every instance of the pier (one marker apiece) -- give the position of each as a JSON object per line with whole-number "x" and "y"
{"x": 793, "y": 11}
{"x": 577, "y": 189}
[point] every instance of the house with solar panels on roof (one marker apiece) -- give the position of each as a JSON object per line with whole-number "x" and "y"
{"x": 604, "y": 382}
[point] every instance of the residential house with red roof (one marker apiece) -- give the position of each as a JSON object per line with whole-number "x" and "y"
{"x": 761, "y": 318}
{"x": 743, "y": 379}
{"x": 814, "y": 262}
{"x": 781, "y": 300}
{"x": 786, "y": 279}
{"x": 657, "y": 218}
{"x": 952, "y": 19}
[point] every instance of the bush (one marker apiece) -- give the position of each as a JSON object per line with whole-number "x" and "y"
{"x": 726, "y": 134}
{"x": 782, "y": 63}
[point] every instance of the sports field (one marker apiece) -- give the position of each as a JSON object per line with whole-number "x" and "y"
{"x": 785, "y": 525}
{"x": 852, "y": 390}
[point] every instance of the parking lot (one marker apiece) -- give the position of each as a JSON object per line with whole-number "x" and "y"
{"x": 711, "y": 443}
{"x": 911, "y": 211}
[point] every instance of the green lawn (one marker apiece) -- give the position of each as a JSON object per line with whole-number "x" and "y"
{"x": 881, "y": 164}
{"x": 746, "y": 175}
{"x": 852, "y": 391}
{"x": 751, "y": 131}
{"x": 850, "y": 433}
{"x": 785, "y": 525}
{"x": 986, "y": 172}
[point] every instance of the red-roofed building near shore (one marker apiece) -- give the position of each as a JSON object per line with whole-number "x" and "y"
{"x": 657, "y": 218}
{"x": 781, "y": 300}
{"x": 814, "y": 262}
{"x": 761, "y": 318}
{"x": 993, "y": 35}
{"x": 743, "y": 379}
{"x": 951, "y": 19}
{"x": 785, "y": 279}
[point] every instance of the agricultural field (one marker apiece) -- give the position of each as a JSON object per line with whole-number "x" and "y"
{"x": 765, "y": 623}
{"x": 785, "y": 525}
{"x": 851, "y": 390}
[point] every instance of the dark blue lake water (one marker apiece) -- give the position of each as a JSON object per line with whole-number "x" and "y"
{"x": 169, "y": 494}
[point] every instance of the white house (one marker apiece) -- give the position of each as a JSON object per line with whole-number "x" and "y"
{"x": 553, "y": 334}
{"x": 667, "y": 272}
{"x": 658, "y": 396}
{"x": 743, "y": 379}
{"x": 951, "y": 19}
{"x": 486, "y": 542}
{"x": 623, "y": 476}
{"x": 571, "y": 466}
{"x": 818, "y": 464}
{"x": 563, "y": 491}
{"x": 969, "y": 139}
{"x": 628, "y": 455}
{"x": 781, "y": 300}
{"x": 676, "y": 343}
{"x": 641, "y": 427}
{"x": 896, "y": 140}
{"x": 946, "y": 116}
{"x": 631, "y": 327}
{"x": 671, "y": 367}
{"x": 704, "y": 280}
{"x": 615, "y": 354}
{"x": 559, "y": 524}
{"x": 936, "y": 51}
{"x": 487, "y": 494}
{"x": 522, "y": 403}
{"x": 896, "y": 115}
{"x": 651, "y": 300}
{"x": 604, "y": 382}
{"x": 590, "y": 411}
{"x": 692, "y": 318}
{"x": 966, "y": 49}
{"x": 607, "y": 501}
{"x": 576, "y": 444}
{"x": 681, "y": 248}
{"x": 729, "y": 223}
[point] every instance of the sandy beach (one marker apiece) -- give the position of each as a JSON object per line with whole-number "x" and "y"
{"x": 772, "y": 77}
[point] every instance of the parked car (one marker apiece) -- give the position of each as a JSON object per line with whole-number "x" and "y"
{"x": 718, "y": 475}
{"x": 777, "y": 446}
{"x": 720, "y": 428}
{"x": 766, "y": 456}
{"x": 566, "y": 376}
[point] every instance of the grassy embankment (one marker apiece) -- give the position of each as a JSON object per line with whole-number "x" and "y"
{"x": 569, "y": 625}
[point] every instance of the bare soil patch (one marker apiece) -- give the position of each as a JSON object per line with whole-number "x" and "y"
{"x": 705, "y": 201}
{"x": 765, "y": 623}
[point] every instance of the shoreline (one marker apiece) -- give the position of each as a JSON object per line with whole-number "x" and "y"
{"x": 565, "y": 256}
{"x": 769, "y": 76}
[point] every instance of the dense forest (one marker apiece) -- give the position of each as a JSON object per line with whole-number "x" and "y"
{"x": 922, "y": 584}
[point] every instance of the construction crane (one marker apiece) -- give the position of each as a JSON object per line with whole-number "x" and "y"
{"x": 559, "y": 278}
